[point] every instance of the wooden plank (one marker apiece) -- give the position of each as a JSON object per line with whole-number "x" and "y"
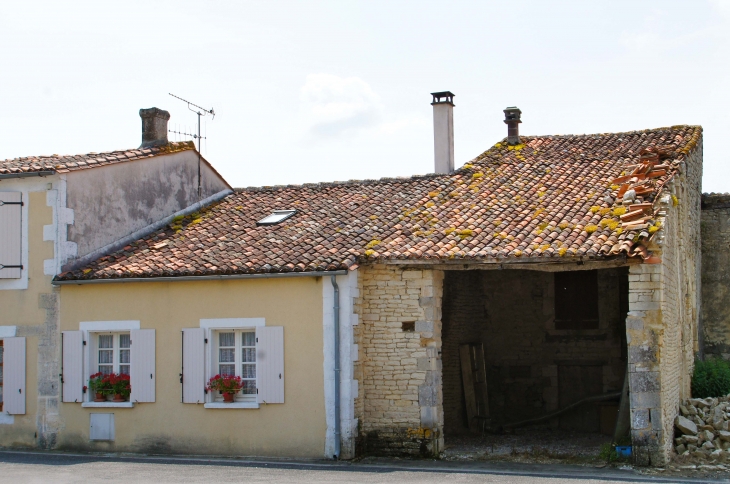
{"x": 467, "y": 376}
{"x": 480, "y": 379}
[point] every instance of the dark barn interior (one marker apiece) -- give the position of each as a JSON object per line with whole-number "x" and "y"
{"x": 548, "y": 339}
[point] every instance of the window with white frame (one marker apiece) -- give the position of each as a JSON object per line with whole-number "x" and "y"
{"x": 236, "y": 355}
{"x": 113, "y": 352}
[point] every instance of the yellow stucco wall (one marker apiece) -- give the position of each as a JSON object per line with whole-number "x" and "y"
{"x": 294, "y": 428}
{"x": 23, "y": 308}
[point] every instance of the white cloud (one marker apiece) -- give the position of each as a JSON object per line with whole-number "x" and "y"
{"x": 339, "y": 105}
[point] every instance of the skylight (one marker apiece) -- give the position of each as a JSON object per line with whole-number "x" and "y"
{"x": 276, "y": 217}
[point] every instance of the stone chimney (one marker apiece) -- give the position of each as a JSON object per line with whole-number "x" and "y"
{"x": 443, "y": 131}
{"x": 512, "y": 120}
{"x": 154, "y": 127}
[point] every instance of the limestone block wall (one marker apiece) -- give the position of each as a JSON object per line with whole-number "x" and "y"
{"x": 716, "y": 275}
{"x": 399, "y": 407}
{"x": 663, "y": 321}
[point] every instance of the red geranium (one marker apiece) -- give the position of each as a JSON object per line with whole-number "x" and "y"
{"x": 225, "y": 383}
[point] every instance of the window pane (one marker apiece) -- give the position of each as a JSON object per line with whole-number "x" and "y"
{"x": 227, "y": 370}
{"x": 124, "y": 369}
{"x": 249, "y": 355}
{"x": 106, "y": 341}
{"x": 249, "y": 387}
{"x": 1, "y": 355}
{"x": 124, "y": 356}
{"x": 227, "y": 355}
{"x": 124, "y": 341}
{"x": 249, "y": 371}
{"x": 249, "y": 339}
{"x": 227, "y": 339}
{"x": 106, "y": 369}
{"x": 106, "y": 356}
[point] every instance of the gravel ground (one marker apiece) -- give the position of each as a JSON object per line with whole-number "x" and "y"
{"x": 539, "y": 445}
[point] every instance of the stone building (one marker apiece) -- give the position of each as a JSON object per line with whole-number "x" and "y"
{"x": 715, "y": 332}
{"x": 573, "y": 262}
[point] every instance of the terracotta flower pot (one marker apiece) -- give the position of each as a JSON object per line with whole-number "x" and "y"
{"x": 100, "y": 397}
{"x": 118, "y": 397}
{"x": 228, "y": 397}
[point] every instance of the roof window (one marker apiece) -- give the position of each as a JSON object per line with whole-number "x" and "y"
{"x": 276, "y": 217}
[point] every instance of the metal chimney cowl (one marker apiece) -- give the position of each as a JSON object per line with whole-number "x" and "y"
{"x": 154, "y": 127}
{"x": 443, "y": 132}
{"x": 512, "y": 120}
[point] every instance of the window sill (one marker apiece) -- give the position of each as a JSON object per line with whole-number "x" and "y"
{"x": 232, "y": 405}
{"x": 107, "y": 404}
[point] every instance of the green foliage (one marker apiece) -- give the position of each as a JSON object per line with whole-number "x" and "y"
{"x": 608, "y": 453}
{"x": 711, "y": 378}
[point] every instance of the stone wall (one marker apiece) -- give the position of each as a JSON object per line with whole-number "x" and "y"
{"x": 663, "y": 321}
{"x": 716, "y": 275}
{"x": 399, "y": 407}
{"x": 512, "y": 314}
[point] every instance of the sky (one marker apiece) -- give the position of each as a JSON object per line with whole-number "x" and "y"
{"x": 310, "y": 91}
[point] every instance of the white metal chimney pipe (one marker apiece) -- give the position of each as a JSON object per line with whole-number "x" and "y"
{"x": 443, "y": 131}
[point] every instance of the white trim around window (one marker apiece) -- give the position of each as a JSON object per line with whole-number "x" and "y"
{"x": 213, "y": 327}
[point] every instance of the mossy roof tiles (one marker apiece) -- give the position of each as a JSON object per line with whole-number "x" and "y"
{"x": 549, "y": 197}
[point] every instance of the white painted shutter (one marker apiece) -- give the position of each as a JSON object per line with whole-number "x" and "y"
{"x": 193, "y": 365}
{"x": 73, "y": 364}
{"x": 10, "y": 235}
{"x": 270, "y": 364}
{"x": 14, "y": 376}
{"x": 142, "y": 371}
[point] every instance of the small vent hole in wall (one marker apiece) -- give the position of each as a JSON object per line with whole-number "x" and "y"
{"x": 409, "y": 326}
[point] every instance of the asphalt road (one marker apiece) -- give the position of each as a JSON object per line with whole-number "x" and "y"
{"x": 66, "y": 468}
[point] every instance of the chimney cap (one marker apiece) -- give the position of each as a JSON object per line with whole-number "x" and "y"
{"x": 512, "y": 113}
{"x": 154, "y": 113}
{"x": 443, "y": 97}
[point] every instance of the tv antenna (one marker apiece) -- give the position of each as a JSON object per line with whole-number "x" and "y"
{"x": 200, "y": 111}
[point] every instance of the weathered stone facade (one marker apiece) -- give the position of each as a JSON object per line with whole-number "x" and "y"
{"x": 400, "y": 406}
{"x": 400, "y": 409}
{"x": 716, "y": 275}
{"x": 663, "y": 320}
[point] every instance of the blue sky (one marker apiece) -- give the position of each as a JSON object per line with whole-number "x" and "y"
{"x": 335, "y": 90}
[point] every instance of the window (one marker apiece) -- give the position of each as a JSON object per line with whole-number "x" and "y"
{"x": 276, "y": 217}
{"x": 1, "y": 375}
{"x": 113, "y": 353}
{"x": 236, "y": 355}
{"x": 576, "y": 300}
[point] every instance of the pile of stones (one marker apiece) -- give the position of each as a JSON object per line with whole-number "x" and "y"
{"x": 703, "y": 426}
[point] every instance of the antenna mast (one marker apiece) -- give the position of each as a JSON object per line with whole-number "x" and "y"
{"x": 200, "y": 111}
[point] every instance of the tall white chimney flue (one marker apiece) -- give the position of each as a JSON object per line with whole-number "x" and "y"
{"x": 443, "y": 131}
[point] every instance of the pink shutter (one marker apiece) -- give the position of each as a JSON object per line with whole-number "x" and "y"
{"x": 142, "y": 365}
{"x": 193, "y": 365}
{"x": 14, "y": 376}
{"x": 270, "y": 364}
{"x": 10, "y": 235}
{"x": 73, "y": 364}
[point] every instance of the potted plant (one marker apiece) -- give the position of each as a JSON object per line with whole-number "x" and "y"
{"x": 99, "y": 387}
{"x": 119, "y": 386}
{"x": 228, "y": 385}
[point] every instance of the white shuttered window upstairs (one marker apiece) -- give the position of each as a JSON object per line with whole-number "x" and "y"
{"x": 11, "y": 260}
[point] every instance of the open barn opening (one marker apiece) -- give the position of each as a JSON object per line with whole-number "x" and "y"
{"x": 520, "y": 345}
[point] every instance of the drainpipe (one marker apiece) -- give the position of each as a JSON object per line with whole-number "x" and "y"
{"x": 337, "y": 367}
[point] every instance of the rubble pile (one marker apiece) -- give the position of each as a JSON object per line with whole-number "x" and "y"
{"x": 703, "y": 426}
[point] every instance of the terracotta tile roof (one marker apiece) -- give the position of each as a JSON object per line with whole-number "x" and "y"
{"x": 67, "y": 163}
{"x": 549, "y": 197}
